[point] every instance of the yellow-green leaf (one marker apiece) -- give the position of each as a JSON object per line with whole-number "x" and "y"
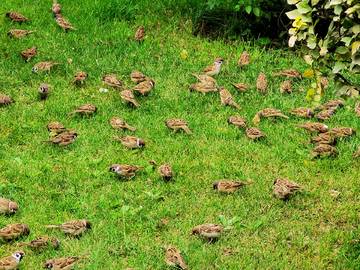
{"x": 309, "y": 73}
{"x": 355, "y": 46}
{"x": 317, "y": 98}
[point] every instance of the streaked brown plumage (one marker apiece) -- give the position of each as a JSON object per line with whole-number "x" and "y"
{"x": 357, "y": 153}
{"x": 11, "y": 262}
{"x": 292, "y": 73}
{"x": 140, "y": 33}
{"x": 14, "y": 230}
{"x": 44, "y": 66}
{"x": 67, "y": 263}
{"x": 331, "y": 105}
{"x": 303, "y": 112}
{"x": 254, "y": 133}
{"x": 8, "y": 207}
{"x": 342, "y": 132}
{"x": 165, "y": 171}
{"x": 261, "y": 82}
{"x": 128, "y": 96}
{"x": 85, "y": 109}
{"x": 214, "y": 68}
{"x": 144, "y": 87}
{"x": 56, "y": 8}
{"x": 227, "y": 186}
{"x": 325, "y": 115}
{"x": 17, "y": 17}
{"x": 117, "y": 122}
{"x": 205, "y": 79}
{"x": 18, "y": 33}
{"x": 357, "y": 109}
{"x": 243, "y": 87}
{"x": 130, "y": 142}
{"x": 112, "y": 81}
{"x": 125, "y": 170}
{"x": 44, "y": 90}
{"x": 4, "y": 99}
{"x": 80, "y": 76}
{"x": 56, "y": 128}
{"x": 284, "y": 187}
{"x": 210, "y": 230}
{"x": 244, "y": 59}
{"x": 64, "y": 139}
{"x": 43, "y": 242}
{"x": 322, "y": 139}
{"x": 226, "y": 98}
{"x": 63, "y": 23}
{"x": 137, "y": 76}
{"x": 325, "y": 82}
{"x": 314, "y": 127}
{"x": 203, "y": 87}
{"x": 268, "y": 113}
{"x": 173, "y": 257}
{"x": 73, "y": 227}
{"x": 29, "y": 53}
{"x": 323, "y": 150}
{"x": 285, "y": 86}
{"x": 176, "y": 123}
{"x": 237, "y": 120}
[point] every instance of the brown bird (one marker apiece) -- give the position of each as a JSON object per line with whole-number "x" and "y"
{"x": 63, "y": 23}
{"x": 254, "y": 133}
{"x": 144, "y": 87}
{"x": 357, "y": 109}
{"x": 292, "y": 73}
{"x": 4, "y": 99}
{"x": 85, "y": 109}
{"x": 128, "y": 96}
{"x": 140, "y": 33}
{"x": 226, "y": 98}
{"x": 18, "y": 33}
{"x": 243, "y": 87}
{"x": 268, "y": 113}
{"x": 261, "y": 82}
{"x": 205, "y": 79}
{"x": 125, "y": 170}
{"x": 80, "y": 77}
{"x": 285, "y": 86}
{"x": 203, "y": 87}
{"x": 112, "y": 81}
{"x": 342, "y": 132}
{"x": 16, "y": 17}
{"x": 64, "y": 139}
{"x": 13, "y": 231}
{"x": 214, "y": 68}
{"x": 73, "y": 227}
{"x": 64, "y": 263}
{"x": 210, "y": 230}
{"x": 11, "y": 262}
{"x": 325, "y": 82}
{"x": 43, "y": 242}
{"x": 237, "y": 120}
{"x": 227, "y": 186}
{"x": 29, "y": 53}
{"x": 8, "y": 207}
{"x": 303, "y": 112}
{"x": 44, "y": 66}
{"x": 44, "y": 90}
{"x": 331, "y": 105}
{"x": 357, "y": 153}
{"x": 117, "y": 122}
{"x": 284, "y": 187}
{"x": 56, "y": 128}
{"x": 244, "y": 59}
{"x": 56, "y": 8}
{"x": 137, "y": 76}
{"x": 173, "y": 257}
{"x": 325, "y": 115}
{"x": 323, "y": 150}
{"x": 176, "y": 123}
{"x": 166, "y": 171}
{"x": 314, "y": 127}
{"x": 322, "y": 139}
{"x": 130, "y": 142}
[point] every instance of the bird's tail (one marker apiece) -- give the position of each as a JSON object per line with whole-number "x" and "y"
{"x": 298, "y": 125}
{"x": 319, "y": 108}
{"x": 237, "y": 106}
{"x": 141, "y": 168}
{"x": 76, "y": 111}
{"x": 24, "y": 244}
{"x": 306, "y": 142}
{"x": 229, "y": 227}
{"x": 84, "y": 255}
{"x": 256, "y": 119}
{"x": 117, "y": 137}
{"x": 135, "y": 103}
{"x": 52, "y": 226}
{"x": 32, "y": 31}
{"x": 356, "y": 154}
{"x": 131, "y": 128}
{"x": 56, "y": 64}
{"x": 46, "y": 140}
{"x": 194, "y": 75}
{"x": 73, "y": 28}
{"x": 282, "y": 115}
{"x": 55, "y": 2}
{"x": 249, "y": 183}
{"x": 183, "y": 265}
{"x": 187, "y": 130}
{"x": 275, "y": 74}
{"x": 358, "y": 114}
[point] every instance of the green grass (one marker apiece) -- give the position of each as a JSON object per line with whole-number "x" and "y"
{"x": 53, "y": 185}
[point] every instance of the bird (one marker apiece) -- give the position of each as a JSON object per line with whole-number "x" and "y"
{"x": 205, "y": 79}
{"x": 13, "y": 231}
{"x": 112, "y": 81}
{"x": 130, "y": 141}
{"x": 165, "y": 171}
{"x": 226, "y": 97}
{"x": 144, "y": 87}
{"x": 85, "y": 109}
{"x": 173, "y": 257}
{"x": 56, "y": 8}
{"x": 254, "y": 133}
{"x": 67, "y": 263}
{"x": 63, "y": 23}
{"x": 322, "y": 139}
{"x": 128, "y": 96}
{"x": 163, "y": 222}
{"x": 243, "y": 87}
{"x": 64, "y": 139}
{"x": 140, "y": 34}
{"x": 210, "y": 230}
{"x": 44, "y": 66}
{"x": 357, "y": 153}
{"x": 11, "y": 262}
{"x": 261, "y": 82}
{"x": 303, "y": 112}
{"x": 323, "y": 150}
{"x": 73, "y": 227}
{"x": 292, "y": 73}
{"x": 227, "y": 186}
{"x": 4, "y": 99}
{"x": 80, "y": 77}
{"x": 8, "y": 207}
{"x": 285, "y": 86}
{"x": 203, "y": 87}
{"x": 357, "y": 109}
{"x": 29, "y": 53}
{"x": 244, "y": 59}
{"x": 125, "y": 170}
{"x": 56, "y": 128}
{"x": 117, "y": 122}
{"x": 43, "y": 242}
{"x": 137, "y": 76}
{"x": 237, "y": 120}
{"x": 314, "y": 127}
{"x": 324, "y": 82}
{"x": 214, "y": 68}
{"x": 331, "y": 105}
{"x": 325, "y": 115}
{"x": 268, "y": 113}
{"x": 283, "y": 187}
{"x": 176, "y": 123}
{"x": 342, "y": 132}
{"x": 17, "y": 17}
{"x": 18, "y": 33}
{"x": 44, "y": 90}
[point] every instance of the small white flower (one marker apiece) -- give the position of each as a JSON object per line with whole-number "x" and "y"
{"x": 101, "y": 90}
{"x": 105, "y": 90}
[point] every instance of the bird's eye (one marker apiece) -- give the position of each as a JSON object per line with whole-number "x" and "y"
{"x": 112, "y": 169}
{"x": 42, "y": 88}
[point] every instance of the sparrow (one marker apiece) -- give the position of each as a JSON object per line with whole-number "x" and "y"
{"x": 56, "y": 8}
{"x": 325, "y": 82}
{"x": 176, "y": 123}
{"x": 137, "y": 76}
{"x": 261, "y": 82}
{"x": 43, "y": 242}
{"x": 19, "y": 33}
{"x": 63, "y": 23}
{"x": 237, "y": 120}
{"x": 140, "y": 33}
{"x": 342, "y": 132}
{"x": 12, "y": 262}
{"x": 322, "y": 139}
{"x": 128, "y": 96}
{"x": 64, "y": 139}
{"x": 63, "y": 263}
{"x": 130, "y": 141}
{"x": 284, "y": 187}
{"x": 29, "y": 53}
{"x": 240, "y": 86}
{"x": 357, "y": 153}
{"x": 44, "y": 90}
{"x": 80, "y": 77}
{"x": 268, "y": 113}
{"x": 13, "y": 231}
{"x": 254, "y": 133}
{"x": 285, "y": 86}
{"x": 8, "y": 207}
{"x": 112, "y": 81}
{"x": 214, "y": 68}
{"x": 244, "y": 59}
{"x": 173, "y": 257}
{"x": 203, "y": 87}
{"x": 117, "y": 122}
{"x": 227, "y": 186}
{"x": 325, "y": 115}
{"x": 226, "y": 97}
{"x": 4, "y": 99}
{"x": 357, "y": 109}
{"x": 144, "y": 87}
{"x": 205, "y": 79}
{"x": 56, "y": 128}
{"x": 163, "y": 222}
{"x": 165, "y": 171}
{"x": 292, "y": 73}
{"x": 16, "y": 17}
{"x": 210, "y": 230}
{"x": 303, "y": 112}
{"x": 314, "y": 127}
{"x": 125, "y": 170}
{"x": 331, "y": 105}
{"x": 44, "y": 66}
{"x": 85, "y": 109}
{"x": 323, "y": 150}
{"x": 74, "y": 227}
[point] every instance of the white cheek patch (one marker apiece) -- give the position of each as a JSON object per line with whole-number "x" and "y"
{"x": 138, "y": 142}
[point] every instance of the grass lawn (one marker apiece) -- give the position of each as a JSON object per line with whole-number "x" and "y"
{"x": 52, "y": 185}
